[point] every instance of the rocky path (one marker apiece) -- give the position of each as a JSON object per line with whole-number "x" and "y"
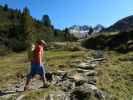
{"x": 79, "y": 83}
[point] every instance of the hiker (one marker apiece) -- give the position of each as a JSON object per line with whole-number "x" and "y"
{"x": 37, "y": 67}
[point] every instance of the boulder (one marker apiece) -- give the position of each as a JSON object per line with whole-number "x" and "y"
{"x": 90, "y": 73}
{"x": 84, "y": 65}
{"x": 67, "y": 85}
{"x": 58, "y": 95}
{"x": 86, "y": 92}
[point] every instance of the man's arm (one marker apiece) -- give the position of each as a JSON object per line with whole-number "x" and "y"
{"x": 40, "y": 57}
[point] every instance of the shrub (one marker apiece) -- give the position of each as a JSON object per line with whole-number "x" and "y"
{"x": 17, "y": 45}
{"x": 95, "y": 43}
{"x": 3, "y": 50}
{"x": 123, "y": 48}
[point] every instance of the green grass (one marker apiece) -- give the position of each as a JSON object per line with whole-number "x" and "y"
{"x": 116, "y": 76}
{"x": 15, "y": 64}
{"x": 110, "y": 33}
{"x": 40, "y": 94}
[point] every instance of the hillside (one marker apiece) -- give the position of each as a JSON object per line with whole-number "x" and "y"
{"x": 120, "y": 41}
{"x": 19, "y": 28}
{"x": 118, "y": 37}
{"x": 123, "y": 25}
{"x": 74, "y": 75}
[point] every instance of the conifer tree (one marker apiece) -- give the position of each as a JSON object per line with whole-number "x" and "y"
{"x": 26, "y": 27}
{"x": 5, "y": 7}
{"x": 46, "y": 21}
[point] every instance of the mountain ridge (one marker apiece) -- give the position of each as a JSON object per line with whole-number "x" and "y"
{"x": 122, "y": 25}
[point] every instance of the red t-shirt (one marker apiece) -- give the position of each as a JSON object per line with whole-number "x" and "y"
{"x": 38, "y": 54}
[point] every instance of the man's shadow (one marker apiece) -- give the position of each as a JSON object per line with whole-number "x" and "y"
{"x": 3, "y": 93}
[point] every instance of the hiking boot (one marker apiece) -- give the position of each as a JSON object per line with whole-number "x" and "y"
{"x": 26, "y": 88}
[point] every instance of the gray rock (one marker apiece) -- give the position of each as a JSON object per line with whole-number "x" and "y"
{"x": 83, "y": 92}
{"x": 58, "y": 95}
{"x": 90, "y": 73}
{"x": 79, "y": 83}
{"x": 56, "y": 77}
{"x": 76, "y": 76}
{"x": 99, "y": 54}
{"x": 79, "y": 94}
{"x": 67, "y": 85}
{"x": 86, "y": 86}
{"x": 79, "y": 70}
{"x": 86, "y": 92}
{"x": 49, "y": 76}
{"x": 86, "y": 66}
{"x": 93, "y": 82}
{"x": 99, "y": 94}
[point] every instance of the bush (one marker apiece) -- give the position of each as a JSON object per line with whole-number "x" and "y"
{"x": 95, "y": 43}
{"x": 123, "y": 48}
{"x": 17, "y": 45}
{"x": 3, "y": 50}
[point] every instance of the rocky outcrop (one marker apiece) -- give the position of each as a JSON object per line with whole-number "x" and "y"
{"x": 80, "y": 82}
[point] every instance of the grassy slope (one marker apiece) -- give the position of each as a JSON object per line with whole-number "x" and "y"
{"x": 114, "y": 76}
{"x": 15, "y": 65}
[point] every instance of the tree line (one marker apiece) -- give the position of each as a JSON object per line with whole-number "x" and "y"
{"x": 18, "y": 29}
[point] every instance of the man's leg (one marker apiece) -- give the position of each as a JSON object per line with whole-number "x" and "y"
{"x": 44, "y": 81}
{"x": 43, "y": 78}
{"x": 30, "y": 77}
{"x": 28, "y": 82}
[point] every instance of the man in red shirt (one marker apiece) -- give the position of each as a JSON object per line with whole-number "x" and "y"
{"x": 37, "y": 66}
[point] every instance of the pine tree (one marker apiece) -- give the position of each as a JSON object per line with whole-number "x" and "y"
{"x": 55, "y": 33}
{"x": 26, "y": 26}
{"x": 5, "y": 7}
{"x": 67, "y": 34}
{"x": 46, "y": 21}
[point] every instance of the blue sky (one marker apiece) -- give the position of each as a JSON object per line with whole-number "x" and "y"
{"x": 65, "y": 13}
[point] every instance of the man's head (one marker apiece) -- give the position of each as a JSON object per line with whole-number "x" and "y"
{"x": 42, "y": 42}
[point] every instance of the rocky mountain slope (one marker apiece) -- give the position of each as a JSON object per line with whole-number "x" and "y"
{"x": 125, "y": 24}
